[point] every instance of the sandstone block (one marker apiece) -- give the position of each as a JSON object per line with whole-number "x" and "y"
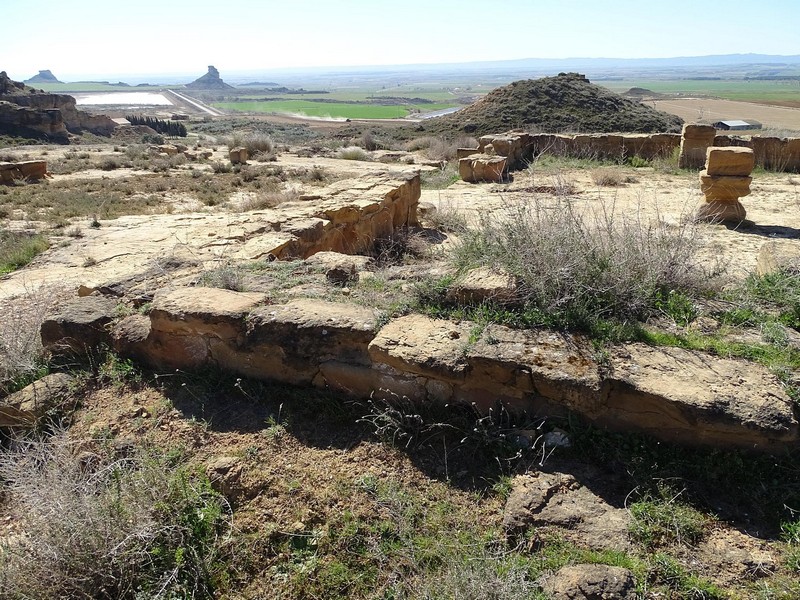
{"x": 465, "y": 152}
{"x": 25, "y": 407}
{"x": 29, "y": 170}
{"x": 33, "y": 170}
{"x": 541, "y": 371}
{"x": 721, "y": 211}
{"x": 779, "y": 255}
{"x": 694, "y": 398}
{"x": 238, "y": 156}
{"x": 737, "y": 162}
{"x": 289, "y": 342}
{"x": 484, "y": 284}
{"x": 339, "y": 268}
{"x": 558, "y": 499}
{"x": 79, "y": 325}
{"x": 695, "y": 139}
{"x": 590, "y": 582}
{"x": 724, "y": 188}
{"x": 423, "y": 346}
{"x": 199, "y": 311}
{"x": 482, "y": 167}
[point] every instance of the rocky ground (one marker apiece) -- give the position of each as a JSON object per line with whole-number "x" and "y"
{"x": 328, "y": 496}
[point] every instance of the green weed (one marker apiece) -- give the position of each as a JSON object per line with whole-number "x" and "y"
{"x": 18, "y": 249}
{"x": 664, "y": 520}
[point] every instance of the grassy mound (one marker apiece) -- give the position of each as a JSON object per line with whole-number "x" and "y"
{"x": 567, "y": 102}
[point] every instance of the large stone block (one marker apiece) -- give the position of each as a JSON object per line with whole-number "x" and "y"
{"x": 423, "y": 346}
{"x": 729, "y": 162}
{"x": 482, "y": 167}
{"x": 719, "y": 211}
{"x": 695, "y": 139}
{"x": 484, "y": 284}
{"x": 289, "y": 342}
{"x": 695, "y": 398}
{"x": 79, "y": 325}
{"x": 25, "y": 407}
{"x": 724, "y": 188}
{"x": 779, "y": 255}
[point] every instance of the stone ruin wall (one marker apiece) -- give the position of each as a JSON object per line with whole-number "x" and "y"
{"x": 670, "y": 393}
{"x": 771, "y": 153}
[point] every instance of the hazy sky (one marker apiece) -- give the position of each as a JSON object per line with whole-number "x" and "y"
{"x": 110, "y": 38}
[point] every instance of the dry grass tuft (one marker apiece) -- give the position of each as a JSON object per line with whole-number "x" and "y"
{"x": 97, "y": 526}
{"x": 20, "y": 343}
{"x": 607, "y": 177}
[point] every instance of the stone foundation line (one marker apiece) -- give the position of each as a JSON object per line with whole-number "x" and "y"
{"x": 519, "y": 149}
{"x": 672, "y": 394}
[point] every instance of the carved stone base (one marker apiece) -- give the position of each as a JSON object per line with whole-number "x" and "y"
{"x": 721, "y": 212}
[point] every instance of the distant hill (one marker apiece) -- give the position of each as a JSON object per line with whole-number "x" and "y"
{"x": 209, "y": 81}
{"x": 566, "y": 102}
{"x": 264, "y": 84}
{"x": 45, "y": 76}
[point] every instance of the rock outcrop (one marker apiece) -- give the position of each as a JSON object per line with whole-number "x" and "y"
{"x": 725, "y": 179}
{"x": 559, "y": 500}
{"x": 778, "y": 255}
{"x": 25, "y": 407}
{"x": 209, "y": 81}
{"x": 590, "y": 582}
{"x": 24, "y": 110}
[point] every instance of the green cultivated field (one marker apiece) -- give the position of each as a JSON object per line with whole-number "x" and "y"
{"x": 330, "y": 109}
{"x": 784, "y": 92}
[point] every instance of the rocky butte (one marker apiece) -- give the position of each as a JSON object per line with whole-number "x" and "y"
{"x": 209, "y": 81}
{"x": 45, "y": 76}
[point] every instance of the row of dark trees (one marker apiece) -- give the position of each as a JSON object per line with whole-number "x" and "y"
{"x": 170, "y": 128}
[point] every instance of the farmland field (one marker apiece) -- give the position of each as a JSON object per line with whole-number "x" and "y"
{"x": 709, "y": 110}
{"x": 331, "y": 109}
{"x": 786, "y": 93}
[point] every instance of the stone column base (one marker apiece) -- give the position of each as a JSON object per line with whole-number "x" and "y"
{"x": 721, "y": 212}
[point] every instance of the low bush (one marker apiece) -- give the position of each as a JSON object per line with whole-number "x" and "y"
{"x": 257, "y": 143}
{"x": 607, "y": 177}
{"x": 575, "y": 268}
{"x": 21, "y": 358}
{"x": 353, "y": 153}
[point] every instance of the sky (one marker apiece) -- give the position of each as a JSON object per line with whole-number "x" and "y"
{"x": 109, "y": 39}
